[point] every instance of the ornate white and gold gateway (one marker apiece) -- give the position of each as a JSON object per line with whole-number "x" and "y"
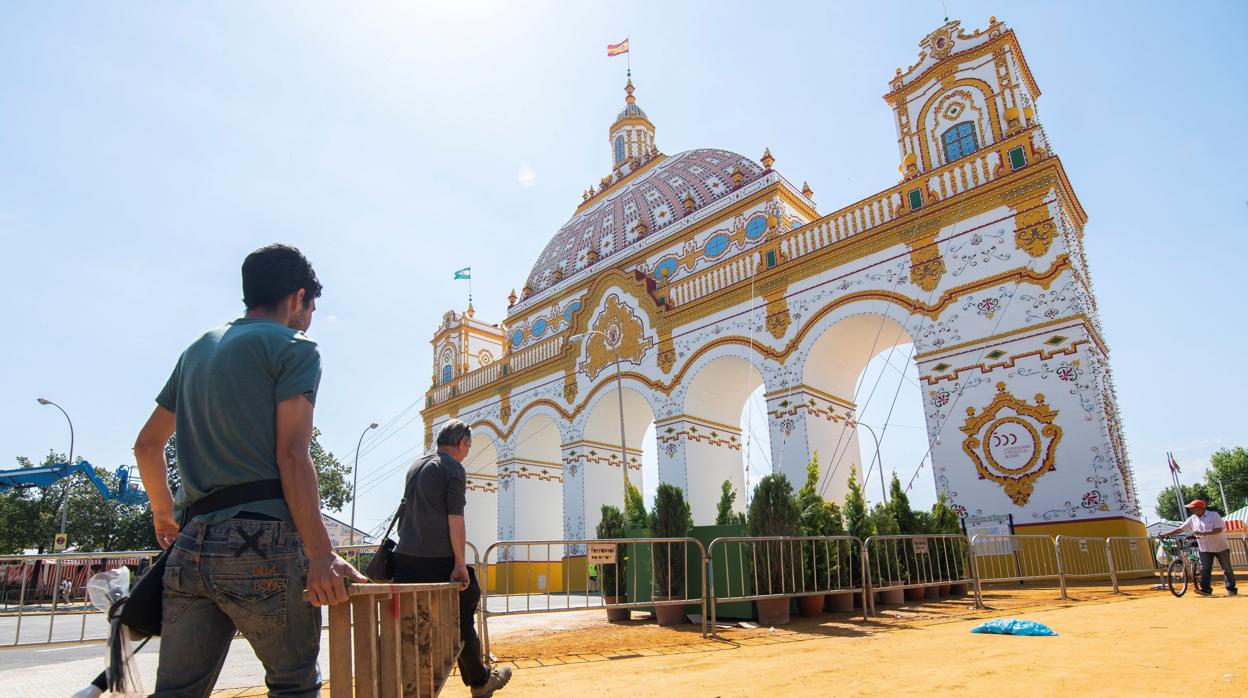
{"x": 707, "y": 274}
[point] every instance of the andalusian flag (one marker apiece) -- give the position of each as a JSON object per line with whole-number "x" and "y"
{"x": 617, "y": 49}
{"x": 1174, "y": 465}
{"x": 465, "y": 273}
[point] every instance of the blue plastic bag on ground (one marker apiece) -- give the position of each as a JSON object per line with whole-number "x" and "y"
{"x": 1011, "y": 626}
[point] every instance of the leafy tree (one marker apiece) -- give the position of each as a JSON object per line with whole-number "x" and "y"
{"x": 856, "y": 521}
{"x": 944, "y": 518}
{"x": 671, "y": 518}
{"x": 814, "y": 519}
{"x": 836, "y": 520}
{"x": 1168, "y": 506}
{"x": 899, "y": 503}
{"x": 634, "y": 508}
{"x": 1230, "y": 465}
{"x": 773, "y": 512}
{"x": 724, "y": 515}
{"x": 332, "y": 477}
{"x": 812, "y": 511}
{"x": 614, "y": 577}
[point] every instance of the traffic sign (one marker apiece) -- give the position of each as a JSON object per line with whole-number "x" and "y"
{"x": 60, "y": 542}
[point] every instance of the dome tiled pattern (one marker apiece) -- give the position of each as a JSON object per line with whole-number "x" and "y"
{"x": 654, "y": 198}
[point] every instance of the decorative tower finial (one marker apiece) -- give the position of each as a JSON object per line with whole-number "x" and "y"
{"x": 807, "y": 191}
{"x": 511, "y": 299}
{"x": 688, "y": 202}
{"x": 632, "y": 135}
{"x": 767, "y": 159}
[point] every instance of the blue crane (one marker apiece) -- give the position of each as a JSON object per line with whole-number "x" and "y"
{"x": 46, "y": 475}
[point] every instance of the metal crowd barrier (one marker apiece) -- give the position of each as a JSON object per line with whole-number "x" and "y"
{"x": 520, "y": 565}
{"x": 38, "y": 591}
{"x": 918, "y": 562}
{"x": 1239, "y": 551}
{"x": 1084, "y": 557}
{"x": 785, "y": 567}
{"x": 31, "y": 590}
{"x": 1131, "y": 555}
{"x": 1015, "y": 559}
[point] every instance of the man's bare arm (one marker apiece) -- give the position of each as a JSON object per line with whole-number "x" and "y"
{"x": 458, "y": 538}
{"x": 149, "y": 451}
{"x": 326, "y": 570}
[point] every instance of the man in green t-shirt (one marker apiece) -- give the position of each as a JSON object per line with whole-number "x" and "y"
{"x": 241, "y": 399}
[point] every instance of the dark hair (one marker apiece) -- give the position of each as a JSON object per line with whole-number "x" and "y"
{"x": 275, "y": 271}
{"x": 454, "y": 432}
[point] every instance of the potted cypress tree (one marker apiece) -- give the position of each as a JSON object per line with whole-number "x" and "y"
{"x": 886, "y": 562}
{"x": 813, "y": 520}
{"x": 945, "y": 520}
{"x": 839, "y": 568}
{"x": 856, "y": 523}
{"x": 773, "y": 512}
{"x": 614, "y": 577}
{"x": 671, "y": 518}
{"x": 724, "y": 515}
{"x": 910, "y": 565}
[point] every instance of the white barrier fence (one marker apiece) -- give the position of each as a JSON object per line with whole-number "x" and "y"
{"x": 923, "y": 563}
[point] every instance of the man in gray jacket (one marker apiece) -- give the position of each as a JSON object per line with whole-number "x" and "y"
{"x": 431, "y": 545}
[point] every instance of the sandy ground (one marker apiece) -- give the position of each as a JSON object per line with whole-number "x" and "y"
{"x": 1110, "y": 645}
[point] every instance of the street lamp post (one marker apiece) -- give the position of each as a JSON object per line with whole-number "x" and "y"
{"x": 619, "y": 392}
{"x": 355, "y": 477}
{"x": 878, "y": 457}
{"x": 65, "y": 499}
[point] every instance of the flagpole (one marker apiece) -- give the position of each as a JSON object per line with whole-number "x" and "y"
{"x": 1178, "y": 487}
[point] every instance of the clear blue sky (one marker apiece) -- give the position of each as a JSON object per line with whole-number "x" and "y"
{"x": 147, "y": 147}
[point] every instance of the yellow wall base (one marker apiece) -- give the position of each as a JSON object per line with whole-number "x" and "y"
{"x": 1096, "y": 528}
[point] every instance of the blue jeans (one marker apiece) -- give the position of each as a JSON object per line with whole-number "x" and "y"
{"x": 1206, "y": 570}
{"x": 246, "y": 575}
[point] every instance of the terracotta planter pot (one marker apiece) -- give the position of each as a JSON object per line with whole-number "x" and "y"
{"x": 617, "y": 614}
{"x": 772, "y": 611}
{"x": 891, "y": 596}
{"x": 841, "y": 603}
{"x": 931, "y": 592}
{"x": 810, "y": 606}
{"x": 944, "y": 589}
{"x": 959, "y": 589}
{"x": 669, "y": 615}
{"x": 914, "y": 594}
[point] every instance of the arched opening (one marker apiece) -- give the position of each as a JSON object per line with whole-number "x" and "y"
{"x": 599, "y": 454}
{"x": 859, "y": 388}
{"x": 531, "y": 481}
{"x": 715, "y": 434}
{"x": 481, "y": 509}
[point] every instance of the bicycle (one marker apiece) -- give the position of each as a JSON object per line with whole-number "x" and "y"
{"x": 1184, "y": 567}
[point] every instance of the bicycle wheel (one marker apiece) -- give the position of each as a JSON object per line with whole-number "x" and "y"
{"x": 1176, "y": 578}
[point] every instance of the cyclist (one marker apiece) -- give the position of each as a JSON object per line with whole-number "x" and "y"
{"x": 1210, "y": 536}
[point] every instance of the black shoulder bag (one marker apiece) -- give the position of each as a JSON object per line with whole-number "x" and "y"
{"x": 381, "y": 567}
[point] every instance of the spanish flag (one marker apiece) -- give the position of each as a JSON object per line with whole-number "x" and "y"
{"x": 617, "y": 49}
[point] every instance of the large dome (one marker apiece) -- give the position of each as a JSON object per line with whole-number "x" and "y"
{"x": 654, "y": 197}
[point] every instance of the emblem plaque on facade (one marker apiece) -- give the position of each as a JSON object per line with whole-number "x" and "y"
{"x": 1012, "y": 443}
